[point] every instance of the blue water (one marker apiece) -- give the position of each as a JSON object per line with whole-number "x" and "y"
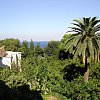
{"x": 41, "y": 43}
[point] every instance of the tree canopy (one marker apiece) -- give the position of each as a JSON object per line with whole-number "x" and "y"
{"x": 85, "y": 40}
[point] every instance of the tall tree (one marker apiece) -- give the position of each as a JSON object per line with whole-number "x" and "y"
{"x": 31, "y": 49}
{"x": 10, "y": 44}
{"x": 38, "y": 50}
{"x": 24, "y": 49}
{"x": 52, "y": 49}
{"x": 63, "y": 54}
{"x": 85, "y": 41}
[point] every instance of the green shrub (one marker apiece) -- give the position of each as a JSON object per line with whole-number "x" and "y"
{"x": 79, "y": 90}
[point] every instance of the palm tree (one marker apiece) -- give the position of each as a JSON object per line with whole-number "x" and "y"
{"x": 85, "y": 41}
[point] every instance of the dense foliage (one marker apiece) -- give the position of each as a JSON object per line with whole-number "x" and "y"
{"x": 47, "y": 71}
{"x": 49, "y": 76}
{"x": 84, "y": 42}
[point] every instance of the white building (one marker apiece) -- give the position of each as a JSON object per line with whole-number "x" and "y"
{"x": 8, "y": 58}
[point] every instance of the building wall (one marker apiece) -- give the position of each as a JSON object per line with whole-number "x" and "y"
{"x": 12, "y": 57}
{"x": 6, "y": 61}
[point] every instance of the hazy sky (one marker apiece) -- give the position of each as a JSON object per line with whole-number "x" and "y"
{"x": 42, "y": 19}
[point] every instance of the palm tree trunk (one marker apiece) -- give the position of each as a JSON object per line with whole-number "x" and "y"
{"x": 86, "y": 70}
{"x": 86, "y": 75}
{"x": 97, "y": 56}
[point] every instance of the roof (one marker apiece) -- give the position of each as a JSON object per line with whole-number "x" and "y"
{"x": 2, "y": 53}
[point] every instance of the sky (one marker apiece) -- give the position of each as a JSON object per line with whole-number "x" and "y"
{"x": 42, "y": 20}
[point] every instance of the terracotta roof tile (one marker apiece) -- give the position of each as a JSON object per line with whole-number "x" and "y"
{"x": 2, "y": 53}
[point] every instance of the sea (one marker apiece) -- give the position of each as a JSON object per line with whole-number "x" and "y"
{"x": 42, "y": 44}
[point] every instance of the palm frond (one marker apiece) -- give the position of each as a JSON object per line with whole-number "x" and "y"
{"x": 76, "y": 29}
{"x": 86, "y": 39}
{"x": 95, "y": 43}
{"x": 95, "y": 23}
{"x": 91, "y": 49}
{"x": 86, "y": 21}
{"x": 81, "y": 23}
{"x": 78, "y": 25}
{"x": 93, "y": 19}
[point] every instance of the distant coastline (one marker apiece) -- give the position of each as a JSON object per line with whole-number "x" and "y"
{"x": 41, "y": 43}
